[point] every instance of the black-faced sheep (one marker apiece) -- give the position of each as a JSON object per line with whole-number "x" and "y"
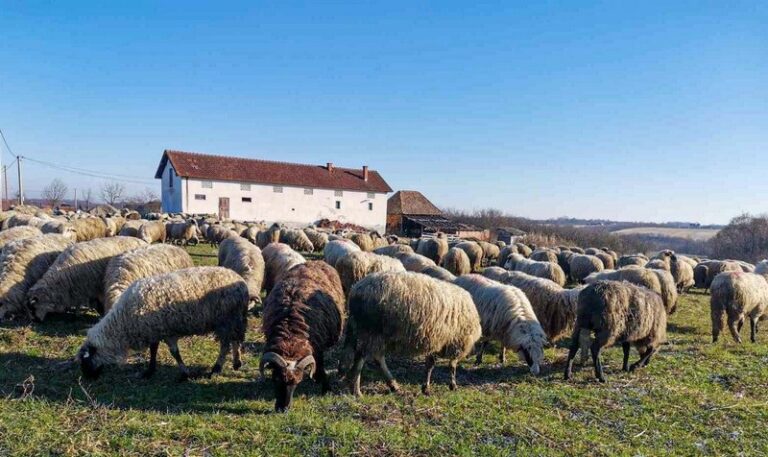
{"x": 303, "y": 318}
{"x": 166, "y": 307}
{"x": 457, "y": 262}
{"x": 619, "y": 312}
{"x": 412, "y": 315}
{"x": 546, "y": 270}
{"x": 123, "y": 269}
{"x": 738, "y": 295}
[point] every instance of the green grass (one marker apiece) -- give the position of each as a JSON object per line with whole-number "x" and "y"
{"x": 694, "y": 398}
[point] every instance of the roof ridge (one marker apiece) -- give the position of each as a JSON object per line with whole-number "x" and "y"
{"x": 277, "y": 162}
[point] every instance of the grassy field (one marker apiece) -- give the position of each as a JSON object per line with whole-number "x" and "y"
{"x": 695, "y": 398}
{"x": 690, "y": 233}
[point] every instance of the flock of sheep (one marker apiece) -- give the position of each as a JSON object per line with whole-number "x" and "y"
{"x": 372, "y": 296}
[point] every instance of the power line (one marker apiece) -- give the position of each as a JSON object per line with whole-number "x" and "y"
{"x": 92, "y": 173}
{"x": 7, "y": 147}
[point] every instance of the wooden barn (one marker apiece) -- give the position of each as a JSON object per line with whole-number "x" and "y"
{"x": 411, "y": 214}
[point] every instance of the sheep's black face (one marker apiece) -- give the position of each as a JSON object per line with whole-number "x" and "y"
{"x": 285, "y": 379}
{"x": 88, "y": 364}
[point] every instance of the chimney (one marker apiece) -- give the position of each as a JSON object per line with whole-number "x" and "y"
{"x": 330, "y": 167}
{"x": 365, "y": 172}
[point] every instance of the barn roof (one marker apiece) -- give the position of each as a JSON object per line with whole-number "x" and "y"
{"x": 240, "y": 169}
{"x": 411, "y": 202}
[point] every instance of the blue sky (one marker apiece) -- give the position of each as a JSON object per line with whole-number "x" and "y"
{"x": 647, "y": 111}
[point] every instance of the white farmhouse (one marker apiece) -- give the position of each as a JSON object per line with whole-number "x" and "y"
{"x": 250, "y": 190}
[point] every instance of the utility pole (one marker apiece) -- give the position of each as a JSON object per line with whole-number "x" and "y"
{"x": 75, "y": 199}
{"x": 21, "y": 185}
{"x": 5, "y": 185}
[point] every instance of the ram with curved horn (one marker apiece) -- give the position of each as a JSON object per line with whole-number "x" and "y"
{"x": 303, "y": 317}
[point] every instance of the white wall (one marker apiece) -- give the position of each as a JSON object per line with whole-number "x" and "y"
{"x": 291, "y": 207}
{"x": 171, "y": 195}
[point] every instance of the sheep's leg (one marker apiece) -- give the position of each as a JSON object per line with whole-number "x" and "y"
{"x": 753, "y": 329}
{"x": 173, "y": 347}
{"x": 393, "y": 387}
{"x": 733, "y": 326}
{"x": 503, "y": 355}
{"x": 428, "y": 381}
{"x": 480, "y": 351}
{"x": 584, "y": 341}
{"x": 626, "y": 347}
{"x": 357, "y": 369}
{"x": 599, "y": 374}
{"x": 741, "y": 324}
{"x": 454, "y": 364}
{"x": 572, "y": 354}
{"x": 320, "y": 375}
{"x": 152, "y": 367}
{"x": 644, "y": 359}
{"x": 236, "y": 362}
{"x": 223, "y": 352}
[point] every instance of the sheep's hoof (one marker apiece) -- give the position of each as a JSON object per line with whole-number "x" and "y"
{"x": 452, "y": 386}
{"x": 357, "y": 393}
{"x": 394, "y": 388}
{"x": 236, "y": 365}
{"x": 601, "y": 380}
{"x": 425, "y": 390}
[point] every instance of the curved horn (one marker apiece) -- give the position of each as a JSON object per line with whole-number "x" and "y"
{"x": 305, "y": 362}
{"x": 271, "y": 357}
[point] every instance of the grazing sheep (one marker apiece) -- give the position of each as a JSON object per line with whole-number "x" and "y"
{"x": 152, "y": 231}
{"x": 363, "y": 241}
{"x": 546, "y": 270}
{"x": 245, "y": 259}
{"x": 19, "y": 220}
{"x": 123, "y": 269}
{"x": 415, "y": 262}
{"x": 166, "y": 307}
{"x": 457, "y": 262}
{"x": 59, "y": 227}
{"x": 18, "y": 232}
{"x": 183, "y": 232}
{"x": 76, "y": 278}
{"x": 475, "y": 254}
{"x": 297, "y": 240}
{"x": 22, "y": 263}
{"x": 523, "y": 249}
{"x": 746, "y": 267}
{"x": 278, "y": 259}
{"x": 555, "y": 306}
{"x": 668, "y": 290}
{"x": 356, "y": 265}
{"x": 506, "y": 316}
{"x": 318, "y": 239}
{"x": 89, "y": 228}
{"x": 564, "y": 260}
{"x": 682, "y": 272}
{"x": 576, "y": 250}
{"x": 632, "y": 260}
{"x": 337, "y": 249}
{"x": 303, "y": 318}
{"x": 705, "y": 272}
{"x": 271, "y": 235}
{"x": 500, "y": 244}
{"x": 608, "y": 262}
{"x": 130, "y": 228}
{"x": 545, "y": 255}
{"x": 393, "y": 249}
{"x": 413, "y": 315}
{"x": 218, "y": 233}
{"x": 433, "y": 248}
{"x": 505, "y": 253}
{"x": 437, "y": 272}
{"x": 583, "y": 265}
{"x": 491, "y": 252}
{"x": 619, "y": 312}
{"x": 737, "y": 294}
{"x": 658, "y": 264}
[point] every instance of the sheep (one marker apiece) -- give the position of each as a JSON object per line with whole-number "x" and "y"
{"x": 658, "y": 264}
{"x": 415, "y": 262}
{"x": 60, "y": 227}
{"x": 746, "y": 267}
{"x": 166, "y": 307}
{"x": 182, "y": 232}
{"x": 457, "y": 262}
{"x": 474, "y": 252}
{"x": 245, "y": 259}
{"x": 762, "y": 268}
{"x": 668, "y": 290}
{"x": 640, "y": 276}
{"x": 410, "y": 314}
{"x": 524, "y": 250}
{"x": 356, "y": 265}
{"x": 608, "y": 262}
{"x": 631, "y": 260}
{"x": 491, "y": 252}
{"x": 583, "y": 265}
{"x": 506, "y": 316}
{"x": 619, "y": 312}
{"x": 504, "y": 254}
{"x": 705, "y": 272}
{"x": 545, "y": 255}
{"x": 318, "y": 239}
{"x": 89, "y": 228}
{"x": 682, "y": 272}
{"x": 152, "y": 231}
{"x": 278, "y": 259}
{"x": 554, "y": 306}
{"x": 393, "y": 249}
{"x": 297, "y": 240}
{"x": 218, "y": 233}
{"x": 76, "y": 277}
{"x": 611, "y": 253}
{"x": 378, "y": 240}
{"x": 18, "y": 220}
{"x": 304, "y": 317}
{"x": 268, "y": 236}
{"x": 337, "y": 249}
{"x": 437, "y": 272}
{"x": 123, "y": 269}
{"x": 738, "y": 295}
{"x": 546, "y": 270}
{"x": 130, "y": 228}
{"x": 18, "y": 232}
{"x": 363, "y": 241}
{"x": 22, "y": 263}
{"x": 433, "y": 248}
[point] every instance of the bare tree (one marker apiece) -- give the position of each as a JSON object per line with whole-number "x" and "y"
{"x": 143, "y": 202}
{"x": 55, "y": 192}
{"x": 112, "y": 192}
{"x": 87, "y": 197}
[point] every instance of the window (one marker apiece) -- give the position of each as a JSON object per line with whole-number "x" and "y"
{"x": 370, "y": 206}
{"x": 244, "y": 186}
{"x": 338, "y": 204}
{"x": 170, "y": 177}
{"x": 206, "y": 184}
{"x": 199, "y": 197}
{"x": 338, "y": 193}
{"x": 277, "y": 189}
{"x": 371, "y": 195}
{"x": 246, "y": 199}
{"x": 308, "y": 191}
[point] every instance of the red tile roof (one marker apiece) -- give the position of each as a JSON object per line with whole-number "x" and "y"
{"x": 411, "y": 202}
{"x": 240, "y": 169}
